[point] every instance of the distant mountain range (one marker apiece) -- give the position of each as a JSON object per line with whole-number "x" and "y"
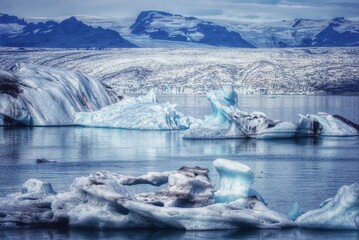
{"x": 70, "y": 33}
{"x": 166, "y": 26}
{"x": 161, "y": 29}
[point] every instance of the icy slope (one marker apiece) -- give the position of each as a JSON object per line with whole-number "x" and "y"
{"x": 42, "y": 96}
{"x": 143, "y": 112}
{"x": 192, "y": 71}
{"x": 70, "y": 33}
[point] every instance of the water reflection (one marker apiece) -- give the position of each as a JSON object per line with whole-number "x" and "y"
{"x": 246, "y": 234}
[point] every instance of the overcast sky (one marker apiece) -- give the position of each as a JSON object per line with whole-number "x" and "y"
{"x": 249, "y": 10}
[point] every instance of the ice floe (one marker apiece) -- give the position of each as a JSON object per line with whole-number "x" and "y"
{"x": 339, "y": 212}
{"x": 143, "y": 112}
{"x": 103, "y": 200}
{"x": 324, "y": 124}
{"x": 228, "y": 121}
{"x": 43, "y": 96}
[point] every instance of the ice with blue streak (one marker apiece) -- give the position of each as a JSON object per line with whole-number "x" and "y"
{"x": 228, "y": 121}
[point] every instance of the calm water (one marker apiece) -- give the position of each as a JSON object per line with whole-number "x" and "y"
{"x": 306, "y": 171}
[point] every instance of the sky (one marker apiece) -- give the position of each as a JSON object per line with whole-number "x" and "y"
{"x": 242, "y": 10}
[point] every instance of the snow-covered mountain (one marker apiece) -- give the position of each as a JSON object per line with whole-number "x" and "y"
{"x": 167, "y": 26}
{"x": 339, "y": 32}
{"x": 70, "y": 33}
{"x": 161, "y": 29}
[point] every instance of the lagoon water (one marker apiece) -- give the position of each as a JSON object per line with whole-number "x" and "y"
{"x": 306, "y": 170}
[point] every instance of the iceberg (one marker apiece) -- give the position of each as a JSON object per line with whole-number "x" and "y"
{"x": 258, "y": 125}
{"x": 189, "y": 201}
{"x": 236, "y": 179}
{"x": 143, "y": 112}
{"x": 102, "y": 201}
{"x": 41, "y": 96}
{"x": 227, "y": 121}
{"x": 357, "y": 222}
{"x": 339, "y": 212}
{"x": 324, "y": 124}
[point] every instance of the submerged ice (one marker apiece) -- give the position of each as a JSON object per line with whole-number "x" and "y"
{"x": 143, "y": 112}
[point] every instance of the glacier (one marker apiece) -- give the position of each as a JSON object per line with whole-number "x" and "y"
{"x": 43, "y": 96}
{"x": 227, "y": 121}
{"x": 143, "y": 112}
{"x": 195, "y": 70}
{"x": 339, "y": 212}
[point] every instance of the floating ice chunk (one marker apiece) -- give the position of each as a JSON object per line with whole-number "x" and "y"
{"x": 222, "y": 103}
{"x": 325, "y": 124}
{"x": 42, "y": 96}
{"x": 219, "y": 124}
{"x": 100, "y": 201}
{"x": 357, "y": 222}
{"x": 143, "y": 112}
{"x": 227, "y": 121}
{"x": 236, "y": 179}
{"x": 259, "y": 125}
{"x": 339, "y": 212}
